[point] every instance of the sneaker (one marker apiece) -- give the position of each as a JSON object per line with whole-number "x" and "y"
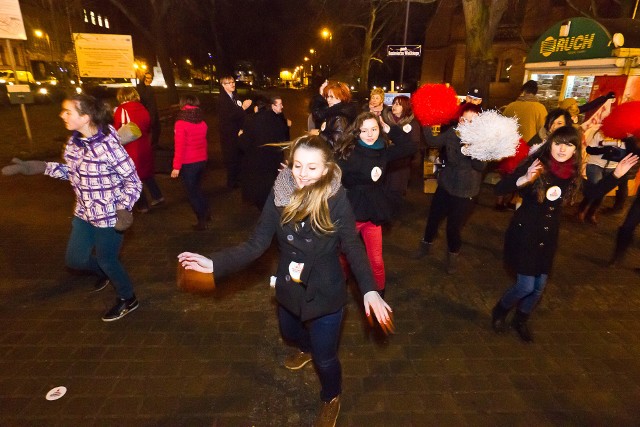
{"x": 121, "y": 309}
{"x": 157, "y": 201}
{"x": 297, "y": 360}
{"x": 100, "y": 284}
{"x": 328, "y": 413}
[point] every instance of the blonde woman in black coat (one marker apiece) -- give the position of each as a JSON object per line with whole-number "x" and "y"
{"x": 309, "y": 214}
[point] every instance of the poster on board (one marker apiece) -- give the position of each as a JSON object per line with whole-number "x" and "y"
{"x": 104, "y": 55}
{"x": 11, "y": 24}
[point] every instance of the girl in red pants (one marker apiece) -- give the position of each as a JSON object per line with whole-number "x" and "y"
{"x": 363, "y": 155}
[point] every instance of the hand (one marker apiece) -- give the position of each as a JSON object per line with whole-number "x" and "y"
{"x": 381, "y": 310}
{"x": 534, "y": 170}
{"x": 288, "y": 123}
{"x": 624, "y": 165}
{"x": 195, "y": 262}
{"x": 322, "y": 86}
{"x": 283, "y": 165}
{"x": 175, "y": 173}
{"x": 124, "y": 221}
{"x": 314, "y": 132}
{"x": 28, "y": 167}
{"x": 611, "y": 95}
{"x": 246, "y": 104}
{"x": 386, "y": 128}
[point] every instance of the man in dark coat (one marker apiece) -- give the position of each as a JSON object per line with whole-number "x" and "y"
{"x": 231, "y": 112}
{"x": 260, "y": 162}
{"x": 148, "y": 99}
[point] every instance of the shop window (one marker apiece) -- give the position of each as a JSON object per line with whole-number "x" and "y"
{"x": 505, "y": 70}
{"x": 548, "y": 89}
{"x": 494, "y": 70}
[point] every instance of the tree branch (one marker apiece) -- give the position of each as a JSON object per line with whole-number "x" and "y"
{"x": 134, "y": 20}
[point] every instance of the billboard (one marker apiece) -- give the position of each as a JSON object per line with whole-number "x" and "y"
{"x": 104, "y": 55}
{"x": 11, "y": 24}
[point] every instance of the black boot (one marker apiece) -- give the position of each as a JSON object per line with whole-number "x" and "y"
{"x": 519, "y": 323}
{"x": 423, "y": 250}
{"x": 623, "y": 241}
{"x": 498, "y": 318}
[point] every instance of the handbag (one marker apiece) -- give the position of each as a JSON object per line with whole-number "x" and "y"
{"x": 129, "y": 131}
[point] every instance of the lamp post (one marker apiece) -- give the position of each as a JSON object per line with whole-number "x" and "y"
{"x": 41, "y": 34}
{"x": 327, "y": 36}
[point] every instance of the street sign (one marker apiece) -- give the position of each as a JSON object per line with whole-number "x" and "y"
{"x": 404, "y": 50}
{"x": 20, "y": 94}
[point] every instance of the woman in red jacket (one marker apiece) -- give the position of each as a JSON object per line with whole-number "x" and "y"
{"x": 190, "y": 158}
{"x": 132, "y": 110}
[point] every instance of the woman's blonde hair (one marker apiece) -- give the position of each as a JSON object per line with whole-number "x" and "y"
{"x": 377, "y": 91}
{"x": 126, "y": 94}
{"x": 311, "y": 201}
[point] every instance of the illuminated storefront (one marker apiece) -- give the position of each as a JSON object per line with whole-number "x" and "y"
{"x": 579, "y": 58}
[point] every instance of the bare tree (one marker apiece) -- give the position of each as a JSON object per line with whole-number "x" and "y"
{"x": 154, "y": 28}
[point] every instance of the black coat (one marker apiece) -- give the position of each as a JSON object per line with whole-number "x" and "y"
{"x": 531, "y": 239}
{"x": 260, "y": 163}
{"x": 461, "y": 175}
{"x": 230, "y": 117}
{"x": 323, "y": 290}
{"x": 332, "y": 121}
{"x": 368, "y": 197}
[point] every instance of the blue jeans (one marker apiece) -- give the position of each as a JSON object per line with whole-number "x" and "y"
{"x": 319, "y": 337}
{"x": 191, "y": 174}
{"x": 105, "y": 263}
{"x": 525, "y": 293}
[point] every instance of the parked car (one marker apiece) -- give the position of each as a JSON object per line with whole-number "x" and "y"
{"x": 42, "y": 92}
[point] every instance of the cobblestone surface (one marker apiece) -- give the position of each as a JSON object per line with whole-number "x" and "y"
{"x": 190, "y": 360}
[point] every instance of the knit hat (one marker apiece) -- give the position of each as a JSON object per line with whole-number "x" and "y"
{"x": 475, "y": 92}
{"x": 571, "y": 105}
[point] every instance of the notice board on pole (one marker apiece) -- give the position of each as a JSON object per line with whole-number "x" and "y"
{"x": 11, "y": 23}
{"x": 104, "y": 55}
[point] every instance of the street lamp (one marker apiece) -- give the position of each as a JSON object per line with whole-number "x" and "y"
{"x": 40, "y": 34}
{"x": 326, "y": 34}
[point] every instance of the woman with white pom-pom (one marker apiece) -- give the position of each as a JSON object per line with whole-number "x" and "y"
{"x": 546, "y": 180}
{"x": 458, "y": 183}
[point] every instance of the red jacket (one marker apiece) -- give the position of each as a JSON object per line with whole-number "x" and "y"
{"x": 140, "y": 149}
{"x": 190, "y": 141}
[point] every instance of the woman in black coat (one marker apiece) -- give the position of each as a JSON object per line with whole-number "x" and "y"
{"x": 545, "y": 181}
{"x": 363, "y": 156}
{"x": 332, "y": 111}
{"x": 310, "y": 216}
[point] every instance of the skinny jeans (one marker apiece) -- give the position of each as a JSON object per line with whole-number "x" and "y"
{"x": 105, "y": 262}
{"x": 456, "y": 210}
{"x": 191, "y": 174}
{"x": 320, "y": 337}
{"x": 525, "y": 294}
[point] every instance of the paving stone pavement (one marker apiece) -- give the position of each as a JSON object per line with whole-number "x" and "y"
{"x": 192, "y": 360}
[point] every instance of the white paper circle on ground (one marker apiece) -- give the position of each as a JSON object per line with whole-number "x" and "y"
{"x": 56, "y": 393}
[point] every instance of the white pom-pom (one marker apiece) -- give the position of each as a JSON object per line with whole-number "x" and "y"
{"x": 489, "y": 136}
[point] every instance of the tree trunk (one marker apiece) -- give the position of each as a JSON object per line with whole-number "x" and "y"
{"x": 481, "y": 18}
{"x": 165, "y": 61}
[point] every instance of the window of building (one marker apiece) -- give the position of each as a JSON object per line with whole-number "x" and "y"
{"x": 93, "y": 18}
{"x": 84, "y": 12}
{"x": 106, "y": 22}
{"x": 494, "y": 69}
{"x": 100, "y": 20}
{"x": 505, "y": 70}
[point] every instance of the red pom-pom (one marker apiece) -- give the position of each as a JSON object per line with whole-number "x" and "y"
{"x": 623, "y": 120}
{"x": 434, "y": 104}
